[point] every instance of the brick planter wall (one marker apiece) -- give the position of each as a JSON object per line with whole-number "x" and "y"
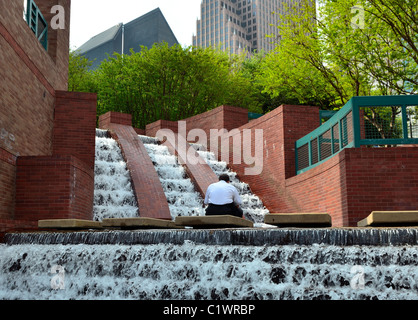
{"x": 57, "y": 187}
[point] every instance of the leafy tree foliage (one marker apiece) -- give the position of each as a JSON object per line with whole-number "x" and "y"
{"x": 344, "y": 49}
{"x": 171, "y": 83}
{"x": 79, "y": 77}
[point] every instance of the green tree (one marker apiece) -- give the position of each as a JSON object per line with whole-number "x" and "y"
{"x": 80, "y": 78}
{"x": 336, "y": 52}
{"x": 170, "y": 83}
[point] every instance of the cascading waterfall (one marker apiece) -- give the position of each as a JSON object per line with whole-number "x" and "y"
{"x": 198, "y": 271}
{"x": 233, "y": 264}
{"x": 113, "y": 194}
{"x": 183, "y": 199}
{"x": 253, "y": 207}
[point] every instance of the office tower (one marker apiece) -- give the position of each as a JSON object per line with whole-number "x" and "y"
{"x": 238, "y": 26}
{"x": 146, "y": 30}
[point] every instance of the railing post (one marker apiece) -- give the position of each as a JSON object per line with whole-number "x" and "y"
{"x": 356, "y": 125}
{"x": 310, "y": 152}
{"x": 404, "y": 122}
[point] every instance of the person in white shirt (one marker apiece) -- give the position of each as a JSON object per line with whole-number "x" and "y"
{"x": 222, "y": 198}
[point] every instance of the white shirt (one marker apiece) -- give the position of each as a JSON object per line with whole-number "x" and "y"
{"x": 221, "y": 193}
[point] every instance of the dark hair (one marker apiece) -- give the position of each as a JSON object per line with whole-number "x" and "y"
{"x": 224, "y": 177}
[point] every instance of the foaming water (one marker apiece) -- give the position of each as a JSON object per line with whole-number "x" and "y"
{"x": 182, "y": 197}
{"x": 196, "y": 271}
{"x": 113, "y": 193}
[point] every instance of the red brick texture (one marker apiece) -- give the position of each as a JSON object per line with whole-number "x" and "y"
{"x": 116, "y": 118}
{"x": 57, "y": 187}
{"x": 197, "y": 169}
{"x": 321, "y": 189}
{"x": 223, "y": 117}
{"x": 152, "y": 128}
{"x": 281, "y": 128}
{"x": 380, "y": 179}
{"x": 7, "y": 184}
{"x": 75, "y": 125}
{"x": 29, "y": 78}
{"x": 149, "y": 192}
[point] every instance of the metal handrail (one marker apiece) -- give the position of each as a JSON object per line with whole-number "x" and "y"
{"x": 344, "y": 130}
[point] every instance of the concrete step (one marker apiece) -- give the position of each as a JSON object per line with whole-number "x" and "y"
{"x": 69, "y": 224}
{"x": 390, "y": 218}
{"x": 213, "y": 222}
{"x": 299, "y": 220}
{"x": 139, "y": 223}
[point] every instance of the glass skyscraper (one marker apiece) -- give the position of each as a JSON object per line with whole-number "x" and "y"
{"x": 238, "y": 26}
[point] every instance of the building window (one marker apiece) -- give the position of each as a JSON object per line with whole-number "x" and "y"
{"x": 37, "y": 23}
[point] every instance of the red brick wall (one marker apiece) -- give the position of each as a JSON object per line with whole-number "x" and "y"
{"x": 223, "y": 117}
{"x": 152, "y": 128}
{"x": 321, "y": 189}
{"x": 29, "y": 77}
{"x": 114, "y": 117}
{"x": 57, "y": 187}
{"x": 381, "y": 179}
{"x": 349, "y": 186}
{"x": 75, "y": 125}
{"x": 52, "y": 66}
{"x": 7, "y": 184}
{"x": 281, "y": 128}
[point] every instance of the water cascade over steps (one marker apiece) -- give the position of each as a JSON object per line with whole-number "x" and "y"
{"x": 199, "y": 271}
{"x": 183, "y": 199}
{"x": 233, "y": 264}
{"x": 113, "y": 194}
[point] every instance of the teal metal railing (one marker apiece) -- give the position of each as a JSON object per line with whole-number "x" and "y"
{"x": 374, "y": 121}
{"x": 37, "y": 23}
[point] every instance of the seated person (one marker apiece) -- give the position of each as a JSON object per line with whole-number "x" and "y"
{"x": 222, "y": 198}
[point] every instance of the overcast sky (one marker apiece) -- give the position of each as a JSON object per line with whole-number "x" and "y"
{"x": 90, "y": 17}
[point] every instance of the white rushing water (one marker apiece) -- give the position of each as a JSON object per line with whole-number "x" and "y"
{"x": 182, "y": 197}
{"x": 195, "y": 271}
{"x": 253, "y": 207}
{"x": 113, "y": 194}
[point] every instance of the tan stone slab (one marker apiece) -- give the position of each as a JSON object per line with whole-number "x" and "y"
{"x": 69, "y": 224}
{"x": 390, "y": 218}
{"x": 139, "y": 223}
{"x": 299, "y": 219}
{"x": 208, "y": 222}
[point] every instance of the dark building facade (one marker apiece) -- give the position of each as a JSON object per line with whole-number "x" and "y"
{"x": 144, "y": 31}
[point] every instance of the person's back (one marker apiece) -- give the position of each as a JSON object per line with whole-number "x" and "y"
{"x": 223, "y": 198}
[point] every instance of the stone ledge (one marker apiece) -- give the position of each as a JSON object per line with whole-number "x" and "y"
{"x": 209, "y": 222}
{"x": 69, "y": 224}
{"x": 390, "y": 218}
{"x": 139, "y": 223}
{"x": 299, "y": 219}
